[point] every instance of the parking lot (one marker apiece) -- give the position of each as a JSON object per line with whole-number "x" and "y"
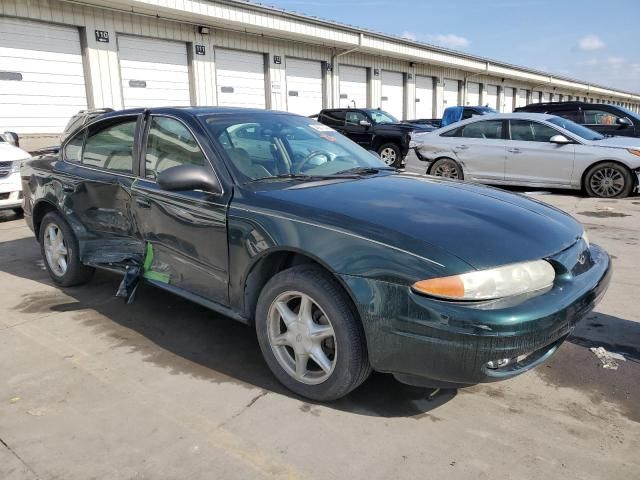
{"x": 92, "y": 388}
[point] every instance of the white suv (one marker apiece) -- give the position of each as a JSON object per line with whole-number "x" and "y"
{"x": 10, "y": 183}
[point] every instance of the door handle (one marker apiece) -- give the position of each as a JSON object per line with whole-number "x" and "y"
{"x": 514, "y": 150}
{"x": 462, "y": 147}
{"x": 67, "y": 188}
{"x": 142, "y": 203}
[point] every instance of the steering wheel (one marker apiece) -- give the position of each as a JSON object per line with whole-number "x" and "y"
{"x": 308, "y": 159}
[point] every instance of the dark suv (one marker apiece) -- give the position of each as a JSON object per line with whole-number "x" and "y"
{"x": 601, "y": 117}
{"x": 372, "y": 129}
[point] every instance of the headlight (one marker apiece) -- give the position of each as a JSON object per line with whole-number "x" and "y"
{"x": 500, "y": 282}
{"x": 585, "y": 237}
{"x": 15, "y": 165}
{"x": 633, "y": 152}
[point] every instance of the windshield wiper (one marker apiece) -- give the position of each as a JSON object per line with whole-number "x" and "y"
{"x": 303, "y": 177}
{"x": 365, "y": 170}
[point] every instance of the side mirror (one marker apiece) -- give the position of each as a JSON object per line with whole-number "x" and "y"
{"x": 365, "y": 123}
{"x": 560, "y": 140}
{"x": 189, "y": 177}
{"x": 12, "y": 138}
{"x": 624, "y": 122}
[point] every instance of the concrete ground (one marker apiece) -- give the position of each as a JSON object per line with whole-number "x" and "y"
{"x": 164, "y": 389}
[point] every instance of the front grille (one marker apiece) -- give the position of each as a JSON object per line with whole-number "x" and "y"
{"x": 5, "y": 196}
{"x": 4, "y": 173}
{"x": 5, "y": 165}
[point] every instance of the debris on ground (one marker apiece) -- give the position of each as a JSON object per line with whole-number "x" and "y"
{"x": 608, "y": 359}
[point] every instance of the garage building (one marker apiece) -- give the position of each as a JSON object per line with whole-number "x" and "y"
{"x": 58, "y": 57}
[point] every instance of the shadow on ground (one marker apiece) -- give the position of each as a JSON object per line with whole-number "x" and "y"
{"x": 188, "y": 339}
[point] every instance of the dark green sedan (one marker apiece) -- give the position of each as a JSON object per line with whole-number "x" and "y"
{"x": 341, "y": 264}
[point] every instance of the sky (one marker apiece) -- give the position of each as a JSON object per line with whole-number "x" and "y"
{"x": 590, "y": 40}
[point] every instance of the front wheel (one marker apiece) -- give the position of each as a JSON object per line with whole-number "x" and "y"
{"x": 310, "y": 335}
{"x": 447, "y": 168}
{"x": 608, "y": 180}
{"x": 390, "y": 154}
{"x": 60, "y": 251}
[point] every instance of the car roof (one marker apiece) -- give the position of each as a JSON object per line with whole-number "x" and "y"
{"x": 196, "y": 111}
{"x": 509, "y": 116}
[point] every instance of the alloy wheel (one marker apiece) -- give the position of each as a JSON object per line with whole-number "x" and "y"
{"x": 55, "y": 249}
{"x": 607, "y": 182}
{"x": 302, "y": 338}
{"x": 446, "y": 170}
{"x": 388, "y": 156}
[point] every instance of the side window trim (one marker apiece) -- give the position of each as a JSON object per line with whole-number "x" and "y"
{"x": 145, "y": 141}
{"x": 558, "y": 132}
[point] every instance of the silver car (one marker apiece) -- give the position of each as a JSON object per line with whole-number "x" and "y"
{"x": 535, "y": 150}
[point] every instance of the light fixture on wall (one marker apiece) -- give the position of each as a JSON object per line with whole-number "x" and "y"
{"x": 203, "y": 30}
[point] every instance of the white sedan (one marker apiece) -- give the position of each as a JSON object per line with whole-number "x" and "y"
{"x": 10, "y": 183}
{"x": 535, "y": 150}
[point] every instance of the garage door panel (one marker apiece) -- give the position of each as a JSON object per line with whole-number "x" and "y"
{"x": 52, "y": 85}
{"x": 473, "y": 93}
{"x": 159, "y": 68}
{"x": 240, "y": 79}
{"x": 353, "y": 86}
{"x": 424, "y": 97}
{"x": 492, "y": 96}
{"x": 451, "y": 92}
{"x": 304, "y": 86}
{"x": 392, "y": 98}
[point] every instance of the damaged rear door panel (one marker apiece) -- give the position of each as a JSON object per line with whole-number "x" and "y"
{"x": 186, "y": 229}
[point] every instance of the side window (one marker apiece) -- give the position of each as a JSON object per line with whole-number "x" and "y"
{"x": 169, "y": 144}
{"x": 354, "y": 118}
{"x": 526, "y": 131}
{"x": 599, "y": 117}
{"x": 111, "y": 148}
{"x": 575, "y": 115}
{"x": 488, "y": 129}
{"x": 454, "y": 132}
{"x": 333, "y": 118}
{"x": 466, "y": 114}
{"x": 73, "y": 149}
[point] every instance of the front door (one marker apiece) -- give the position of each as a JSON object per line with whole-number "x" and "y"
{"x": 186, "y": 230}
{"x": 532, "y": 158}
{"x": 605, "y": 122}
{"x": 361, "y": 134}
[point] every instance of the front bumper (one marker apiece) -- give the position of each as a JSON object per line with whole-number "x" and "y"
{"x": 424, "y": 341}
{"x": 10, "y": 191}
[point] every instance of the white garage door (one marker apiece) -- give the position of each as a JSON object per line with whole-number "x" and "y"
{"x": 535, "y": 97}
{"x": 41, "y": 76}
{"x": 507, "y": 105}
{"x": 424, "y": 97}
{"x": 353, "y": 87}
{"x": 546, "y": 97}
{"x": 392, "y": 100}
{"x": 522, "y": 98}
{"x": 473, "y": 93}
{"x": 304, "y": 86}
{"x": 451, "y": 93}
{"x": 492, "y": 96}
{"x": 155, "y": 73}
{"x": 240, "y": 79}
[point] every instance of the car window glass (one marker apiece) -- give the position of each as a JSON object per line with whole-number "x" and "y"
{"x": 467, "y": 114}
{"x": 354, "y": 118}
{"x": 73, "y": 148}
{"x": 250, "y": 142}
{"x": 169, "y": 144}
{"x": 575, "y": 115}
{"x": 454, "y": 132}
{"x": 111, "y": 148}
{"x": 599, "y": 117}
{"x": 527, "y": 131}
{"x": 334, "y": 118}
{"x": 489, "y": 129}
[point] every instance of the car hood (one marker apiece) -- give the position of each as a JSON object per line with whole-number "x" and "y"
{"x": 617, "y": 142}
{"x": 8, "y": 152}
{"x": 479, "y": 225}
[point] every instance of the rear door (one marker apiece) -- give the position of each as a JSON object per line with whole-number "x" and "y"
{"x": 480, "y": 148}
{"x": 532, "y": 158}
{"x": 187, "y": 230}
{"x": 97, "y": 177}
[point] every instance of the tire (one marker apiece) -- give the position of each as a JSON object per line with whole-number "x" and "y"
{"x": 447, "y": 168}
{"x": 608, "y": 180}
{"x": 75, "y": 273}
{"x": 341, "y": 346}
{"x": 390, "y": 155}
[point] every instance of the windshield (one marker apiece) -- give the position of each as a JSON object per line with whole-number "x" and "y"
{"x": 266, "y": 145}
{"x": 378, "y": 116}
{"x": 576, "y": 129}
{"x": 631, "y": 114}
{"x": 485, "y": 110}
